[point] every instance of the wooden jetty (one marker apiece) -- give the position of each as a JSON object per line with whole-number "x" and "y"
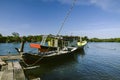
{"x": 12, "y": 71}
{"x": 10, "y": 68}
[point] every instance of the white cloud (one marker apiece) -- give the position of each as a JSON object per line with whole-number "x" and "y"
{"x": 108, "y": 5}
{"x": 99, "y": 33}
{"x": 8, "y": 29}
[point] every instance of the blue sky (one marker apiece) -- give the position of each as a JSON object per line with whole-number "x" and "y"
{"x": 92, "y": 18}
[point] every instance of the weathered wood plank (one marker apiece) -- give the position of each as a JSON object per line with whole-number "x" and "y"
{"x": 36, "y": 79}
{"x": 8, "y": 73}
{"x": 10, "y": 57}
{"x": 1, "y": 73}
{"x": 18, "y": 72}
{"x": 2, "y": 62}
{"x": 10, "y": 66}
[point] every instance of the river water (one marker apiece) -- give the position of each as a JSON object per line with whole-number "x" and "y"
{"x": 98, "y": 61}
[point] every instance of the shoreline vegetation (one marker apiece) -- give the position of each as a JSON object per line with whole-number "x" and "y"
{"x": 37, "y": 38}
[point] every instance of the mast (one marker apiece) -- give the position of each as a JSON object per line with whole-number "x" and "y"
{"x": 66, "y": 17}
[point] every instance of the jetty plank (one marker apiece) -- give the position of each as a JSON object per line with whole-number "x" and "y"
{"x": 1, "y": 73}
{"x": 3, "y": 68}
{"x": 13, "y": 71}
{"x": 10, "y": 57}
{"x": 2, "y": 62}
{"x": 18, "y": 71}
{"x": 8, "y": 73}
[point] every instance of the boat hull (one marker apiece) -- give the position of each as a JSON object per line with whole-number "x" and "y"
{"x": 39, "y": 59}
{"x": 36, "y": 59}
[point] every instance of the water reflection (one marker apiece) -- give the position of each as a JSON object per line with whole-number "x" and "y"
{"x": 50, "y": 67}
{"x": 80, "y": 53}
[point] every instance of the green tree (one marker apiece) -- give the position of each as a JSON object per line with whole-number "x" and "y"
{"x": 15, "y": 34}
{"x": 0, "y": 35}
{"x": 16, "y": 37}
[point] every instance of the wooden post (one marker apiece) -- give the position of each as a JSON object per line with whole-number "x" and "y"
{"x": 22, "y": 46}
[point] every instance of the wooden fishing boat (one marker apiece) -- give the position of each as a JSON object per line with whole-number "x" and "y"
{"x": 57, "y": 54}
{"x": 45, "y": 57}
{"x": 57, "y": 49}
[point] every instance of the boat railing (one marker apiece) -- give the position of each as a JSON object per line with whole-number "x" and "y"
{"x": 43, "y": 40}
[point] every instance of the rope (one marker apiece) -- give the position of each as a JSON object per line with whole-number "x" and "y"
{"x": 66, "y": 17}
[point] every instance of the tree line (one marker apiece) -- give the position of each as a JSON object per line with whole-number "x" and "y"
{"x": 17, "y": 38}
{"x": 105, "y": 40}
{"x": 37, "y": 38}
